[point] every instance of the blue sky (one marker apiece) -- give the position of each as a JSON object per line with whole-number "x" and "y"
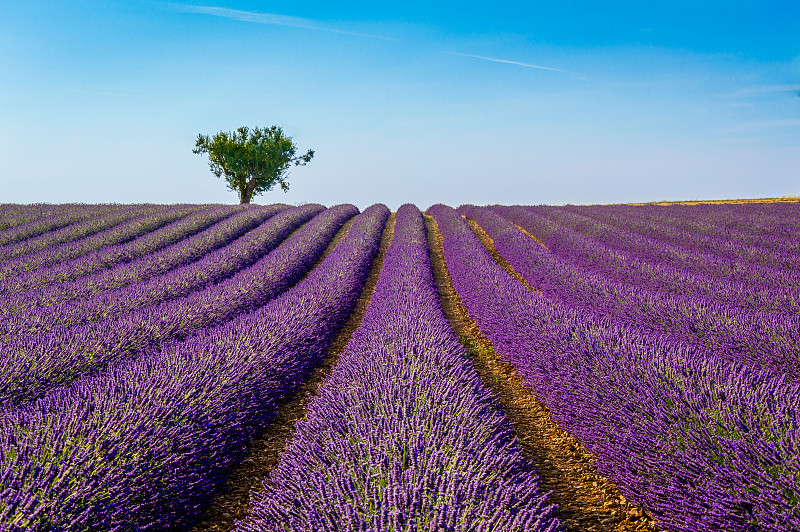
{"x": 423, "y": 102}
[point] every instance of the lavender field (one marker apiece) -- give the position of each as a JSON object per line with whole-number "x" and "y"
{"x": 278, "y": 368}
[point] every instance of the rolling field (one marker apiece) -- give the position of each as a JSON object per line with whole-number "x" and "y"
{"x": 485, "y": 368}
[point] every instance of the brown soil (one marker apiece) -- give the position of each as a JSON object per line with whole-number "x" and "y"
{"x": 234, "y": 502}
{"x": 530, "y": 235}
{"x": 587, "y": 501}
{"x": 488, "y": 243}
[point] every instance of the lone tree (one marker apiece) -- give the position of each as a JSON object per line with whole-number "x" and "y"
{"x": 252, "y": 161}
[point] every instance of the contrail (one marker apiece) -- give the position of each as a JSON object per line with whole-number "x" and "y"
{"x": 496, "y": 60}
{"x": 763, "y": 89}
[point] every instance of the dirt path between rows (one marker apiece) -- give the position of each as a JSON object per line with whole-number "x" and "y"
{"x": 488, "y": 243}
{"x": 587, "y": 501}
{"x": 234, "y": 502}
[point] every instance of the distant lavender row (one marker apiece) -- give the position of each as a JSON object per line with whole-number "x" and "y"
{"x": 113, "y": 228}
{"x": 767, "y": 225}
{"x": 143, "y": 444}
{"x": 757, "y": 224}
{"x": 704, "y": 444}
{"x": 211, "y": 268}
{"x": 403, "y": 434}
{"x": 776, "y": 268}
{"x": 778, "y": 253}
{"x": 41, "y": 219}
{"x": 770, "y": 252}
{"x": 148, "y": 234}
{"x": 15, "y": 214}
{"x": 10, "y": 212}
{"x": 771, "y": 340}
{"x": 87, "y": 223}
{"x": 32, "y": 365}
{"x": 632, "y": 269}
{"x": 177, "y": 255}
{"x": 643, "y": 261}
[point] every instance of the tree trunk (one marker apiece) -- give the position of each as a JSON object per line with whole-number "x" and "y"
{"x": 247, "y": 193}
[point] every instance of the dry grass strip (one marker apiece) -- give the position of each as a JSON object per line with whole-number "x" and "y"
{"x": 782, "y": 199}
{"x": 263, "y": 451}
{"x": 587, "y": 501}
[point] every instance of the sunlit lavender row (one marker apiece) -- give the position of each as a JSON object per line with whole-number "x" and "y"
{"x": 768, "y": 339}
{"x": 143, "y": 443}
{"x": 18, "y": 222}
{"x": 143, "y": 346}
{"x": 607, "y": 250}
{"x": 181, "y": 253}
{"x": 403, "y": 429}
{"x": 35, "y": 220}
{"x": 75, "y": 240}
{"x": 654, "y": 241}
{"x": 738, "y": 231}
{"x": 703, "y": 442}
{"x": 187, "y": 267}
{"x": 149, "y": 236}
{"x": 31, "y": 365}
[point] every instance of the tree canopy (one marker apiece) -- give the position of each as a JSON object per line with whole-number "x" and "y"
{"x": 252, "y": 161}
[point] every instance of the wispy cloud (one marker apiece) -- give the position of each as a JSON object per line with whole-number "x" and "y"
{"x": 761, "y": 90}
{"x": 763, "y": 124}
{"x": 309, "y": 24}
{"x": 271, "y": 19}
{"x": 508, "y": 61}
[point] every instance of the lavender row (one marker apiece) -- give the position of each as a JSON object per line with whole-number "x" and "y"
{"x": 32, "y": 365}
{"x": 756, "y": 224}
{"x": 30, "y": 211}
{"x": 717, "y": 257}
{"x": 147, "y": 234}
{"x": 704, "y": 444}
{"x": 763, "y": 221}
{"x": 628, "y": 268}
{"x": 403, "y": 434}
{"x": 721, "y": 243}
{"x": 640, "y": 268}
{"x": 643, "y": 261}
{"x": 181, "y": 282}
{"x": 50, "y": 220}
{"x": 13, "y": 215}
{"x": 773, "y": 226}
{"x": 771, "y": 340}
{"x": 142, "y": 445}
{"x": 15, "y": 254}
{"x": 177, "y": 255}
{"x": 116, "y": 228}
